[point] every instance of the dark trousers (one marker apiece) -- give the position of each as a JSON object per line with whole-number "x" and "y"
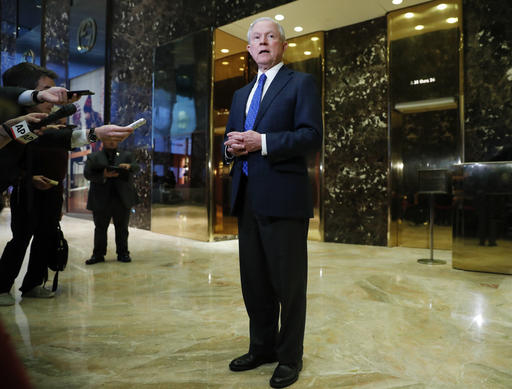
{"x": 37, "y": 218}
{"x": 273, "y": 268}
{"x": 121, "y": 216}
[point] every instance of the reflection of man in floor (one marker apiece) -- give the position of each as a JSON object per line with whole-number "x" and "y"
{"x": 486, "y": 209}
{"x": 168, "y": 188}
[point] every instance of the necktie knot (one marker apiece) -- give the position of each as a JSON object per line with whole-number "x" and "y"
{"x": 262, "y": 79}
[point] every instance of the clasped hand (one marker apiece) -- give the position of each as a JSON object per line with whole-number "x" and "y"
{"x": 242, "y": 143}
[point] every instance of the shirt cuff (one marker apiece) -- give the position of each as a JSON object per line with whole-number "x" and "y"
{"x": 25, "y": 98}
{"x": 264, "y": 144}
{"x": 79, "y": 138}
{"x": 228, "y": 156}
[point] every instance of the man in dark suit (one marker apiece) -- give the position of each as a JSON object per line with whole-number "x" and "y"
{"x": 274, "y": 122}
{"x": 111, "y": 196}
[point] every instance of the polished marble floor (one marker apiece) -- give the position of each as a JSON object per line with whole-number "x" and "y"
{"x": 174, "y": 318}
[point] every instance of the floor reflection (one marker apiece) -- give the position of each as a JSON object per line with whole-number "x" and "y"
{"x": 174, "y": 317}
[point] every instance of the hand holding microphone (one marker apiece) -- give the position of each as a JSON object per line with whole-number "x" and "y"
{"x": 64, "y": 111}
{"x": 33, "y": 117}
{"x": 26, "y": 132}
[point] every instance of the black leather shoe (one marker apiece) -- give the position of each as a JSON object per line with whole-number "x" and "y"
{"x": 285, "y": 375}
{"x": 95, "y": 259}
{"x": 250, "y": 361}
{"x": 124, "y": 258}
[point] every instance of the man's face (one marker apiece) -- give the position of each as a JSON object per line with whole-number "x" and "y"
{"x": 43, "y": 83}
{"x": 265, "y": 45}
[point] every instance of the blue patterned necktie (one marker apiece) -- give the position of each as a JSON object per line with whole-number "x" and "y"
{"x": 252, "y": 113}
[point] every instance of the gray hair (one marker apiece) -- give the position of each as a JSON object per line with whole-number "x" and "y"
{"x": 265, "y": 18}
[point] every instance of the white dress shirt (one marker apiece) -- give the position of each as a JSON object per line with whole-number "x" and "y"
{"x": 271, "y": 74}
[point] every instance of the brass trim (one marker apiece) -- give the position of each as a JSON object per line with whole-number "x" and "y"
{"x": 209, "y": 164}
{"x": 321, "y": 208}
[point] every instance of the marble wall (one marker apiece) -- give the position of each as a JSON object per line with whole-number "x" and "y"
{"x": 356, "y": 83}
{"x": 7, "y": 34}
{"x": 487, "y": 79}
{"x": 55, "y": 32}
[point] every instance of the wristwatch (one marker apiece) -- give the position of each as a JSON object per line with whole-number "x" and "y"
{"x": 34, "y": 97}
{"x": 91, "y": 136}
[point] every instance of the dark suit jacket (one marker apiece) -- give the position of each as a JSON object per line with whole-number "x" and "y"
{"x": 290, "y": 115}
{"x": 9, "y": 107}
{"x": 16, "y": 158}
{"x": 101, "y": 189}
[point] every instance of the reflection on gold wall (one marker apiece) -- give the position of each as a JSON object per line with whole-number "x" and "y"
{"x": 426, "y": 118}
{"x": 181, "y": 137}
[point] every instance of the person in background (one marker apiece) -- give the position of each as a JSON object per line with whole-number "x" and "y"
{"x": 112, "y": 194}
{"x": 274, "y": 123}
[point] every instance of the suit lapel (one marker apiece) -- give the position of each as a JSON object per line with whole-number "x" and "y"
{"x": 282, "y": 77}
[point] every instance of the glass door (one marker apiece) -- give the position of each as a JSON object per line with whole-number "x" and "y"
{"x": 181, "y": 137}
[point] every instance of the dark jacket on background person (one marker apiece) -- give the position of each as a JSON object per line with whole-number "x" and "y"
{"x": 101, "y": 189}
{"x": 15, "y": 157}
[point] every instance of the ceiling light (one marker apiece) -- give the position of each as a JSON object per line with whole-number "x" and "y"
{"x": 298, "y": 29}
{"x": 292, "y": 44}
{"x": 452, "y": 20}
{"x": 279, "y": 17}
{"x": 314, "y": 38}
{"x": 409, "y": 15}
{"x": 307, "y": 53}
{"x": 242, "y": 58}
{"x": 225, "y": 62}
{"x": 442, "y": 6}
{"x": 419, "y": 27}
{"x": 224, "y": 51}
{"x": 396, "y": 2}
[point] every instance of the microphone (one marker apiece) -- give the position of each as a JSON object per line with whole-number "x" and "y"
{"x": 66, "y": 110}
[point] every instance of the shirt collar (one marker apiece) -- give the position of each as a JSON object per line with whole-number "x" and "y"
{"x": 271, "y": 73}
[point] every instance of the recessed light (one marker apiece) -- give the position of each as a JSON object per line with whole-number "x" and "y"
{"x": 314, "y": 38}
{"x": 452, "y": 20}
{"x": 225, "y": 62}
{"x": 307, "y": 53}
{"x": 224, "y": 50}
{"x": 292, "y": 44}
{"x": 419, "y": 27}
{"x": 396, "y": 2}
{"x": 279, "y": 17}
{"x": 409, "y": 15}
{"x": 242, "y": 58}
{"x": 442, "y": 6}
{"x": 298, "y": 29}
